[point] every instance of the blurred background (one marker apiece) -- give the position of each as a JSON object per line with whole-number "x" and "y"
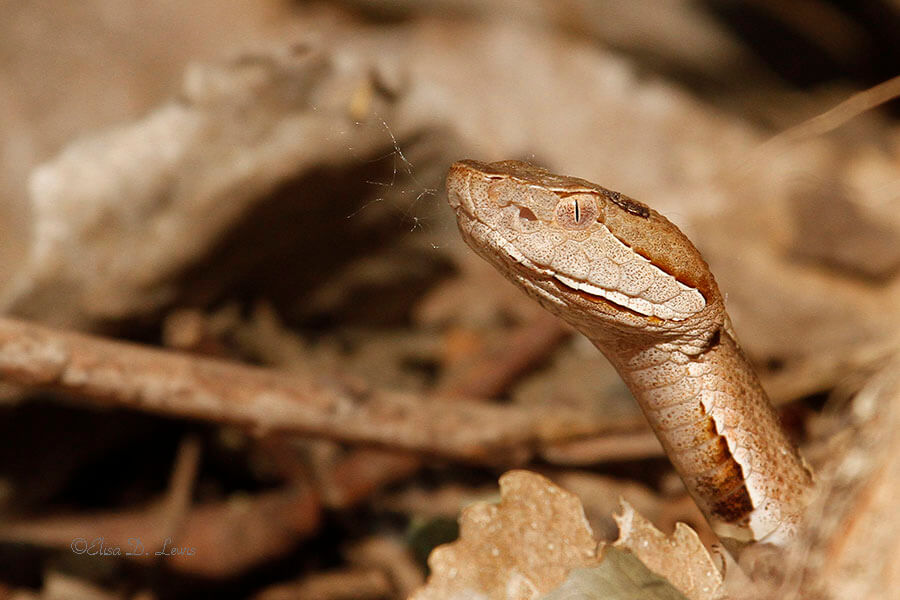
{"x": 262, "y": 182}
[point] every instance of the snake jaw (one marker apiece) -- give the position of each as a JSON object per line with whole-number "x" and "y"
{"x": 556, "y": 227}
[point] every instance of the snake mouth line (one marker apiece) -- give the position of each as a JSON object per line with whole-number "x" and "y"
{"x": 562, "y": 282}
{"x": 651, "y": 312}
{"x": 638, "y": 306}
{"x": 603, "y": 300}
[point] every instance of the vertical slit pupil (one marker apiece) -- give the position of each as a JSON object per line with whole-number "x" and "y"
{"x": 577, "y": 211}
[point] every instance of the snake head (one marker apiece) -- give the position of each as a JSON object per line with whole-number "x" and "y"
{"x": 589, "y": 254}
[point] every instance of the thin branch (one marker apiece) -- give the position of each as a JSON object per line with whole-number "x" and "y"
{"x": 163, "y": 382}
{"x": 353, "y": 583}
{"x": 495, "y": 371}
{"x": 635, "y": 445}
{"x": 827, "y": 121}
{"x": 216, "y": 539}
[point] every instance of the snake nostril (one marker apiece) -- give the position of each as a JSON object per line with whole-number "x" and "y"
{"x": 527, "y": 214}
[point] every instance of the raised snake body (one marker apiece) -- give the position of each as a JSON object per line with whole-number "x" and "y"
{"x": 631, "y": 282}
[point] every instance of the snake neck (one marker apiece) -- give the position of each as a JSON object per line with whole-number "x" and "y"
{"x": 721, "y": 433}
{"x": 635, "y": 285}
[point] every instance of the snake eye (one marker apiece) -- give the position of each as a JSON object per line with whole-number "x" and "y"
{"x": 578, "y": 211}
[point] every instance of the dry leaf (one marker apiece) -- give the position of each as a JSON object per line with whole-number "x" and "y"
{"x": 521, "y": 548}
{"x": 681, "y": 558}
{"x": 621, "y": 576}
{"x": 852, "y": 549}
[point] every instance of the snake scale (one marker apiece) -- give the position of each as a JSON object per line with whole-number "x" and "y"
{"x": 632, "y": 282}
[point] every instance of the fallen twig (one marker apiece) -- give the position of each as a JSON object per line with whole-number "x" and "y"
{"x": 164, "y": 382}
{"x": 215, "y": 540}
{"x": 348, "y": 584}
{"x": 494, "y": 372}
{"x": 634, "y": 445}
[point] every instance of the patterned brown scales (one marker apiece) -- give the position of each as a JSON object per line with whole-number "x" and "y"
{"x": 631, "y": 282}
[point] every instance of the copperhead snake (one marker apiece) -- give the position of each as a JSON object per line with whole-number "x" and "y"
{"x": 632, "y": 282}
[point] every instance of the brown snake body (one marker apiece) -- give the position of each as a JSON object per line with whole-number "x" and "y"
{"x": 631, "y": 282}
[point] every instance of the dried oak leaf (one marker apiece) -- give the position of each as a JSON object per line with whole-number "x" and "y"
{"x": 521, "y": 548}
{"x": 681, "y": 558}
{"x": 621, "y": 576}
